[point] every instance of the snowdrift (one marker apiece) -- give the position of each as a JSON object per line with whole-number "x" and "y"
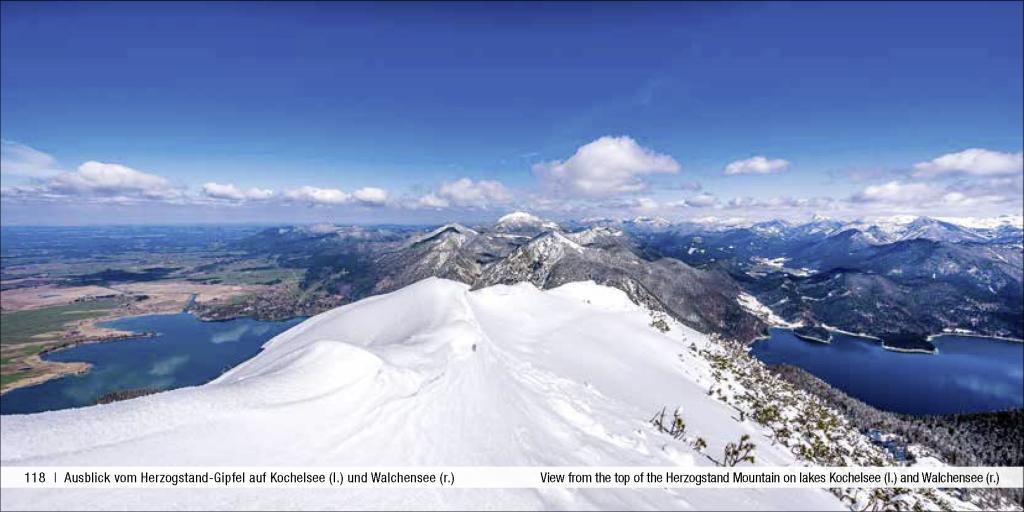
{"x": 432, "y": 374}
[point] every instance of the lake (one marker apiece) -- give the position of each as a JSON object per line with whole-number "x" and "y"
{"x": 185, "y": 352}
{"x": 968, "y": 374}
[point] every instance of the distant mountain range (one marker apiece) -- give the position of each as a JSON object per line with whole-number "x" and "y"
{"x": 892, "y": 278}
{"x": 904, "y": 276}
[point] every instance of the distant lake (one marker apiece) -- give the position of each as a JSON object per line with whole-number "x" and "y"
{"x": 968, "y": 374}
{"x": 185, "y": 352}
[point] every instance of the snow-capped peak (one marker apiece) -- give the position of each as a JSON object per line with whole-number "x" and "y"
{"x": 659, "y": 222}
{"x": 588, "y": 236}
{"x": 553, "y": 240}
{"x": 458, "y": 229}
{"x": 321, "y": 228}
{"x": 712, "y": 222}
{"x": 522, "y": 219}
{"x": 770, "y": 228}
{"x": 894, "y": 220}
{"x": 1013, "y": 221}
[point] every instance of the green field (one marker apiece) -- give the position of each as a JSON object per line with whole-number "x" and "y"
{"x": 20, "y": 326}
{"x": 14, "y": 377}
{"x": 17, "y": 353}
{"x": 246, "y": 276}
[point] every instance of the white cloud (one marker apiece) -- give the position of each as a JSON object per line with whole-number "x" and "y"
{"x": 467, "y": 193}
{"x": 959, "y": 199}
{"x": 24, "y": 192}
{"x": 974, "y": 161}
{"x": 111, "y": 180}
{"x": 691, "y": 186}
{"x": 92, "y": 181}
{"x": 646, "y": 204}
{"x": 1008, "y": 187}
{"x": 640, "y": 204}
{"x": 21, "y": 160}
{"x": 702, "y": 201}
{"x": 896, "y": 192}
{"x": 259, "y": 194}
{"x": 371, "y": 196}
{"x": 757, "y": 165}
{"x": 232, "y": 193}
{"x": 742, "y": 202}
{"x": 115, "y": 183}
{"x": 605, "y": 167}
{"x": 314, "y": 195}
{"x": 432, "y": 201}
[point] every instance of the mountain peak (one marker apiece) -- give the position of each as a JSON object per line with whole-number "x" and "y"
{"x": 549, "y": 247}
{"x": 555, "y": 238}
{"x": 1012, "y": 221}
{"x": 520, "y": 219}
{"x": 590, "y": 235}
{"x": 656, "y": 221}
{"x": 453, "y": 228}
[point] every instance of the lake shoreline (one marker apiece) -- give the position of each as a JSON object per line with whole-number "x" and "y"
{"x": 192, "y": 352}
{"x": 207, "y": 302}
{"x": 96, "y": 333}
{"x": 902, "y": 350}
{"x": 973, "y": 335}
{"x": 966, "y": 375}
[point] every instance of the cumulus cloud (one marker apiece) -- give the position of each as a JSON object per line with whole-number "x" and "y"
{"x": 691, "y": 186}
{"x": 959, "y": 199}
{"x": 371, "y": 196}
{"x": 111, "y": 180}
{"x": 24, "y": 192}
{"x": 781, "y": 202}
{"x": 701, "y": 201}
{"x": 981, "y": 191}
{"x": 465, "y": 192}
{"x": 965, "y": 195}
{"x": 896, "y": 192}
{"x": 433, "y": 201}
{"x": 315, "y": 195}
{"x": 605, "y": 167}
{"x": 756, "y": 165}
{"x": 232, "y": 193}
{"x": 646, "y": 204}
{"x": 21, "y": 160}
{"x": 974, "y": 161}
{"x": 96, "y": 181}
{"x": 641, "y": 204}
{"x": 92, "y": 181}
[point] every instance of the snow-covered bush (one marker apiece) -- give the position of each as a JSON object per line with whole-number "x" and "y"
{"x": 741, "y": 451}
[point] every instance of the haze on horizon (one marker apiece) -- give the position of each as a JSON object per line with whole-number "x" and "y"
{"x": 162, "y": 113}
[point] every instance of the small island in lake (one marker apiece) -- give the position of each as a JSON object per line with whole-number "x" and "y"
{"x": 814, "y": 333}
{"x": 908, "y": 342}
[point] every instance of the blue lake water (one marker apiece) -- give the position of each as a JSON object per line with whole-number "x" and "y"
{"x": 968, "y": 374}
{"x": 185, "y": 352}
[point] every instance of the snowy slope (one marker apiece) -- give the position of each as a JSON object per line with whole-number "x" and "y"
{"x": 432, "y": 374}
{"x": 517, "y": 221}
{"x": 1013, "y": 221}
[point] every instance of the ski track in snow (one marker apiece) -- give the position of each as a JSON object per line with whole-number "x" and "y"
{"x": 432, "y": 374}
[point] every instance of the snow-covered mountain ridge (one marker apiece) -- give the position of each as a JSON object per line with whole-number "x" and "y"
{"x": 436, "y": 374}
{"x": 882, "y": 230}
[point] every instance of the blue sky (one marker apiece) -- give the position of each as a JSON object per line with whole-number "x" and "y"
{"x": 420, "y": 112}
